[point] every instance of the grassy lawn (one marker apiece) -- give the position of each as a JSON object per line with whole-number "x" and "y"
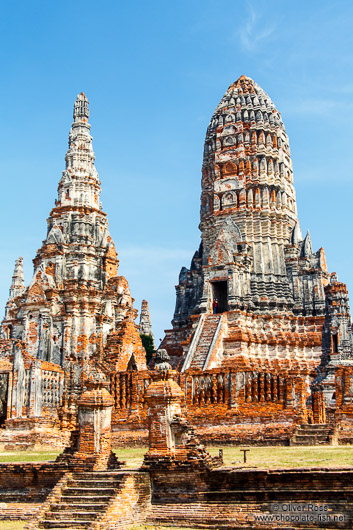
{"x": 271, "y": 457}
{"x": 277, "y": 456}
{"x": 27, "y": 456}
{"x": 12, "y": 525}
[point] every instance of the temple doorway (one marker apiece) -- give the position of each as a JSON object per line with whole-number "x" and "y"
{"x": 4, "y": 377}
{"x": 220, "y": 292}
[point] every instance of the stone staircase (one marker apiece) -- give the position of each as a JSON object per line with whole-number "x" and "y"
{"x": 83, "y": 501}
{"x": 208, "y": 331}
{"x": 312, "y": 434}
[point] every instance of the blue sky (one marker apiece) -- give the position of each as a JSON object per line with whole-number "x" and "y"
{"x": 154, "y": 71}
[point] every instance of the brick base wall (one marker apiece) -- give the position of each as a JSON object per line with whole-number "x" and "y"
{"x": 24, "y": 487}
{"x": 222, "y": 498}
{"x": 254, "y": 498}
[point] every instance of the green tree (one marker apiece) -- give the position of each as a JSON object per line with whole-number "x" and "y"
{"x": 147, "y": 343}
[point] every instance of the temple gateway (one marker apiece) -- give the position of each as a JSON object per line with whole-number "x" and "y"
{"x": 261, "y": 336}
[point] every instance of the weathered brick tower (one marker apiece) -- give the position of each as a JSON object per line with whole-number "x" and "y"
{"x": 77, "y": 312}
{"x": 253, "y": 317}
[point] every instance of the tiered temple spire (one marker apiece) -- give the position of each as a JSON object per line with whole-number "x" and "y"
{"x": 18, "y": 282}
{"x": 145, "y": 320}
{"x": 76, "y": 306}
{"x": 79, "y": 185}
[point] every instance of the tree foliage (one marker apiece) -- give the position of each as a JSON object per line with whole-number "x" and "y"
{"x": 147, "y": 343}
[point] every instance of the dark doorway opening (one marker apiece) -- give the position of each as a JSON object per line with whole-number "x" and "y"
{"x": 4, "y": 378}
{"x": 220, "y": 293}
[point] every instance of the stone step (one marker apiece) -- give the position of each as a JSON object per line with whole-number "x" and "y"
{"x": 98, "y": 484}
{"x": 67, "y": 523}
{"x": 99, "y": 475}
{"x": 60, "y": 516}
{"x": 83, "y": 501}
{"x": 86, "y": 492}
{"x": 60, "y": 528}
{"x": 311, "y": 443}
{"x": 73, "y": 499}
{"x": 309, "y": 437}
{"x": 205, "y": 340}
{"x": 76, "y": 507}
{"x": 316, "y": 426}
{"x": 312, "y": 434}
{"x": 311, "y": 430}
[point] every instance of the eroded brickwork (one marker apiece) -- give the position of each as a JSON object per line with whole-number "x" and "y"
{"x": 257, "y": 307}
{"x": 172, "y": 442}
{"x": 261, "y": 331}
{"x": 77, "y": 312}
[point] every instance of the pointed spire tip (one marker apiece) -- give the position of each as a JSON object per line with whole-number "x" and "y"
{"x": 81, "y": 110}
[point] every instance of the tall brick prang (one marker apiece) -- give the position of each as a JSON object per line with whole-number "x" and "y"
{"x": 256, "y": 311}
{"x": 77, "y": 313}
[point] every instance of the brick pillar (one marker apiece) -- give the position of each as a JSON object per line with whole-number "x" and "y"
{"x": 289, "y": 398}
{"x": 172, "y": 442}
{"x": 94, "y": 419}
{"x": 35, "y": 392}
{"x": 318, "y": 405}
{"x": 164, "y": 397}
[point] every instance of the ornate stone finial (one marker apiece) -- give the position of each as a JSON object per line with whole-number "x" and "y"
{"x": 80, "y": 182}
{"x": 161, "y": 360}
{"x": 81, "y": 110}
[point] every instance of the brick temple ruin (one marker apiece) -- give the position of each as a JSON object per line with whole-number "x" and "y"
{"x": 261, "y": 338}
{"x": 77, "y": 314}
{"x": 179, "y": 483}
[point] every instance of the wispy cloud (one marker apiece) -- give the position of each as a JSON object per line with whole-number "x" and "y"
{"x": 256, "y": 30}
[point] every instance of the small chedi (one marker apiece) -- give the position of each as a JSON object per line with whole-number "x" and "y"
{"x": 77, "y": 313}
{"x": 172, "y": 442}
{"x": 90, "y": 445}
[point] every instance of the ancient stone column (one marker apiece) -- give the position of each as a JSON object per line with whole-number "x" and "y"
{"x": 164, "y": 397}
{"x": 94, "y": 420}
{"x": 172, "y": 441}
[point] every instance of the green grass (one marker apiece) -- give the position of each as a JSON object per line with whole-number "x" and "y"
{"x": 261, "y": 457}
{"x": 277, "y": 456}
{"x": 132, "y": 455}
{"x": 27, "y": 456}
{"x": 12, "y": 525}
